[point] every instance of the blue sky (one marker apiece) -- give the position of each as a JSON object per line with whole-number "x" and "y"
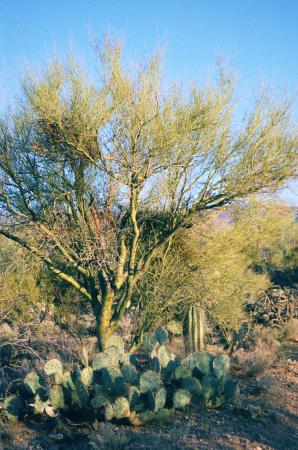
{"x": 260, "y": 37}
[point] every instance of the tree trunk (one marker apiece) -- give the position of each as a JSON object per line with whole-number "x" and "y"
{"x": 103, "y": 312}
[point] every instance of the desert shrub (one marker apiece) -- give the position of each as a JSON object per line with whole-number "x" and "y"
{"x": 21, "y": 289}
{"x": 270, "y": 239}
{"x": 113, "y": 387}
{"x": 204, "y": 266}
{"x": 289, "y": 331}
{"x": 262, "y": 354}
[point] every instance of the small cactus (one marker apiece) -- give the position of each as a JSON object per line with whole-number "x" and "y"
{"x": 181, "y": 398}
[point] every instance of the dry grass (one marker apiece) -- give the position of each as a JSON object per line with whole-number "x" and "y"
{"x": 289, "y": 331}
{"x": 263, "y": 353}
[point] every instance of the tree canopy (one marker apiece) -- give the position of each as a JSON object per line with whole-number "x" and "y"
{"x": 97, "y": 177}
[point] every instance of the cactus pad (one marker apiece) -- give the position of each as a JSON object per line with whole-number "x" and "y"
{"x": 87, "y": 376}
{"x": 57, "y": 397}
{"x": 109, "y": 412}
{"x": 161, "y": 335}
{"x": 181, "y": 398}
{"x": 130, "y": 374}
{"x": 101, "y": 361}
{"x": 182, "y": 372}
{"x": 13, "y": 406}
{"x": 203, "y": 362}
{"x": 115, "y": 341}
{"x": 53, "y": 366}
{"x": 221, "y": 366}
{"x": 121, "y": 408}
{"x": 32, "y": 383}
{"x": 149, "y": 381}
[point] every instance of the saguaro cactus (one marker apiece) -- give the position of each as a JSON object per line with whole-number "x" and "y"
{"x": 195, "y": 328}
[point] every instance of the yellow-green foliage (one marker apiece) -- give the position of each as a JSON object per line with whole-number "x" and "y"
{"x": 19, "y": 287}
{"x": 269, "y": 234}
{"x": 206, "y": 266}
{"x": 221, "y": 267}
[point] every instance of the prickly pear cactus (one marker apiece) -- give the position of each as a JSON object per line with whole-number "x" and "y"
{"x": 109, "y": 376}
{"x": 39, "y": 405}
{"x": 209, "y": 387}
{"x": 112, "y": 386}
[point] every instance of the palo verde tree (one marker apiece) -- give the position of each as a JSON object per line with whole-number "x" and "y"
{"x": 96, "y": 179}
